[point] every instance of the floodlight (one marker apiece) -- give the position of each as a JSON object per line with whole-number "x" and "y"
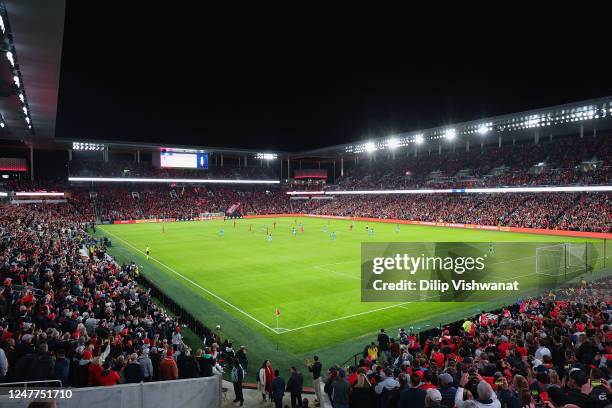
{"x": 16, "y": 80}
{"x": 393, "y": 143}
{"x": 21, "y": 97}
{"x": 266, "y": 156}
{"x": 369, "y": 147}
{"x": 9, "y": 56}
{"x": 419, "y": 139}
{"x": 483, "y": 130}
{"x": 450, "y": 134}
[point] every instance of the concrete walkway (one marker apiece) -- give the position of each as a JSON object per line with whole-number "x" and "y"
{"x": 252, "y": 398}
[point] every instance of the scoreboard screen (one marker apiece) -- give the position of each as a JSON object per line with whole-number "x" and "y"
{"x": 171, "y": 158}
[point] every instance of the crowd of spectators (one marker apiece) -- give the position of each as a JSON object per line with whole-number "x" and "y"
{"x": 558, "y": 162}
{"x": 124, "y": 168}
{"x": 551, "y": 351}
{"x": 69, "y": 312}
{"x": 568, "y": 211}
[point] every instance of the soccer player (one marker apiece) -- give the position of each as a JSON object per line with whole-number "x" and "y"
{"x": 274, "y": 225}
{"x": 333, "y": 236}
{"x": 325, "y": 228}
{"x": 301, "y": 227}
{"x": 367, "y": 227}
{"x": 221, "y": 232}
{"x": 250, "y": 227}
{"x": 491, "y": 249}
{"x": 293, "y": 231}
{"x": 397, "y": 228}
{"x": 148, "y": 251}
{"x": 269, "y": 237}
{"x": 372, "y": 231}
{"x": 234, "y": 223}
{"x": 351, "y": 227}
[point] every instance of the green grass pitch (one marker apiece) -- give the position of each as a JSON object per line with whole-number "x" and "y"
{"x": 239, "y": 279}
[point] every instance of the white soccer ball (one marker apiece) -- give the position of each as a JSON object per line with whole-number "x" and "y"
{"x": 218, "y": 327}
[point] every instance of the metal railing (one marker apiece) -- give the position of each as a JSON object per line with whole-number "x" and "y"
{"x": 13, "y": 385}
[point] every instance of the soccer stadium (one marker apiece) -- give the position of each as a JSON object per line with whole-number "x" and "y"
{"x": 428, "y": 263}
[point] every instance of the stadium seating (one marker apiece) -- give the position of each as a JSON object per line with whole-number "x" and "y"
{"x": 558, "y": 162}
{"x": 61, "y": 292}
{"x": 553, "y": 350}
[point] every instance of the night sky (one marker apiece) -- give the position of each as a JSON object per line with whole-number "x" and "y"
{"x": 193, "y": 78}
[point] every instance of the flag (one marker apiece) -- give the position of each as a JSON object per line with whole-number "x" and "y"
{"x": 277, "y": 312}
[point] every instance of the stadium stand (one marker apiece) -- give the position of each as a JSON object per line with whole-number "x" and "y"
{"x": 121, "y": 168}
{"x": 565, "y": 161}
{"x": 554, "y": 350}
{"x": 62, "y": 293}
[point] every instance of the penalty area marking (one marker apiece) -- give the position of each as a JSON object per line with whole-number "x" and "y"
{"x": 195, "y": 284}
{"x": 321, "y": 267}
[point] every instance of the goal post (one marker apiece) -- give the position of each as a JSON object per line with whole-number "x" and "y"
{"x": 562, "y": 259}
{"x": 577, "y": 257}
{"x": 551, "y": 260}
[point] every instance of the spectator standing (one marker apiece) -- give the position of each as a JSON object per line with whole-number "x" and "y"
{"x": 383, "y": 345}
{"x": 62, "y": 367}
{"x": 447, "y": 390}
{"x": 264, "y": 378}
{"x": 241, "y": 355}
{"x": 294, "y": 387}
{"x": 205, "y": 361}
{"x": 146, "y": 365}
{"x": 315, "y": 368}
{"x": 413, "y": 396}
{"x": 386, "y": 386}
{"x": 167, "y": 367}
{"x": 278, "y": 389}
{"x": 133, "y": 370}
{"x": 341, "y": 390}
{"x": 433, "y": 399}
{"x": 362, "y": 393}
{"x": 108, "y": 376}
{"x": 237, "y": 378}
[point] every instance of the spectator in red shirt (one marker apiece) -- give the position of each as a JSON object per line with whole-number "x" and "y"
{"x": 108, "y": 376}
{"x": 438, "y": 356}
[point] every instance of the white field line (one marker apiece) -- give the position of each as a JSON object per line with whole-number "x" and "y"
{"x": 402, "y": 305}
{"x": 274, "y": 330}
{"x": 196, "y": 284}
{"x": 346, "y": 275}
{"x": 353, "y": 315}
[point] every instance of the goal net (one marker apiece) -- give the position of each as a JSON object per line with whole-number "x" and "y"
{"x": 550, "y": 260}
{"x": 561, "y": 259}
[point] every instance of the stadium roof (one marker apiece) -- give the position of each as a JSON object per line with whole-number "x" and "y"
{"x": 34, "y": 33}
{"x": 593, "y": 115}
{"x": 572, "y": 118}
